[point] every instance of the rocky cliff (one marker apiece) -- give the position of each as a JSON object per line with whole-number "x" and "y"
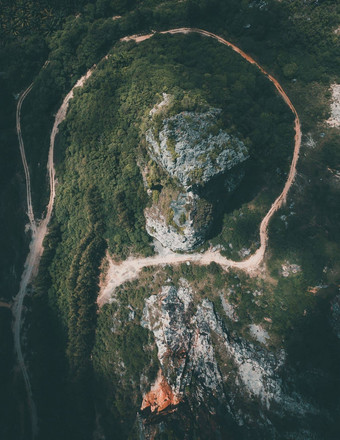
{"x": 182, "y": 224}
{"x": 209, "y": 368}
{"x": 192, "y": 148}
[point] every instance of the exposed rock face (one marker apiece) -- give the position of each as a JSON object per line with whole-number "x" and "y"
{"x": 192, "y": 148}
{"x": 185, "y": 349}
{"x": 183, "y": 233}
{"x": 229, "y": 309}
{"x": 184, "y": 341}
{"x": 334, "y": 120}
{"x": 259, "y": 333}
{"x": 203, "y": 363}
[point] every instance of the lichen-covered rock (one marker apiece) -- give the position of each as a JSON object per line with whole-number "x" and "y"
{"x": 259, "y": 333}
{"x": 201, "y": 359}
{"x": 191, "y": 147}
{"x": 185, "y": 347}
{"x": 186, "y": 224}
{"x": 183, "y": 341}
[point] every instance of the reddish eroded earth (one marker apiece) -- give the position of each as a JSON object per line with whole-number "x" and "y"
{"x": 160, "y": 396}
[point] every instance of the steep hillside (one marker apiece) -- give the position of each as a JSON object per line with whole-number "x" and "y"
{"x": 172, "y": 152}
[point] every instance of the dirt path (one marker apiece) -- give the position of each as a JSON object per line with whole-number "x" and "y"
{"x": 129, "y": 269}
{"x": 38, "y": 234}
{"x": 30, "y": 213}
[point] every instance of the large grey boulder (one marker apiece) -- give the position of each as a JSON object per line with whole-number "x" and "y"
{"x": 192, "y": 148}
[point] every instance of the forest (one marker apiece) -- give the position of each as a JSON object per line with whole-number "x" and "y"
{"x": 101, "y": 197}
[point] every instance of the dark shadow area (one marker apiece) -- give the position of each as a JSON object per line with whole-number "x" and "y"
{"x": 8, "y": 431}
{"x": 313, "y": 353}
{"x": 223, "y": 202}
{"x": 191, "y": 422}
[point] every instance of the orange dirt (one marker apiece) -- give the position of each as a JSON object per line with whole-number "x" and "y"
{"x": 160, "y": 396}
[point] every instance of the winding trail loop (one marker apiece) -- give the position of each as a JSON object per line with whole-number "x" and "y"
{"x": 129, "y": 269}
{"x": 30, "y": 213}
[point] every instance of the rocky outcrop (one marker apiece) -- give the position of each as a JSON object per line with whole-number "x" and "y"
{"x": 259, "y": 333}
{"x": 182, "y": 233}
{"x": 334, "y": 119}
{"x": 185, "y": 347}
{"x": 288, "y": 269}
{"x": 205, "y": 364}
{"x": 192, "y": 148}
{"x": 184, "y": 344}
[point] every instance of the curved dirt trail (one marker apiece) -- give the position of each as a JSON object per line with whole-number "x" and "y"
{"x": 30, "y": 213}
{"x": 38, "y": 234}
{"x": 129, "y": 269}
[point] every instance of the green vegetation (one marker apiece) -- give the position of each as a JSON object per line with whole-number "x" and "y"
{"x": 182, "y": 218}
{"x": 100, "y": 198}
{"x": 7, "y": 406}
{"x": 311, "y": 235}
{"x": 171, "y": 147}
{"x": 123, "y": 352}
{"x": 110, "y": 159}
{"x": 13, "y": 242}
{"x": 240, "y": 231}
